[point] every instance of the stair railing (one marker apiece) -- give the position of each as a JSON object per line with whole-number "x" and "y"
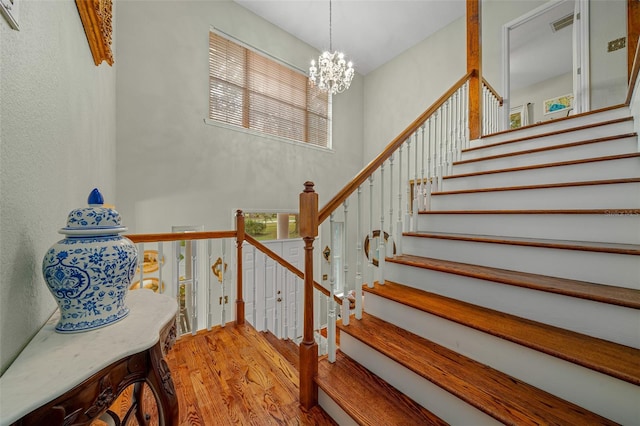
{"x": 195, "y": 263}
{"x": 394, "y": 186}
{"x": 492, "y": 104}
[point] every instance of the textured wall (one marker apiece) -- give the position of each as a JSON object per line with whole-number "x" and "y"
{"x": 57, "y": 142}
{"x": 173, "y": 168}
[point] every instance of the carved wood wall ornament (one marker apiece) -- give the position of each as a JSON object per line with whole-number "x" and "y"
{"x": 96, "y": 19}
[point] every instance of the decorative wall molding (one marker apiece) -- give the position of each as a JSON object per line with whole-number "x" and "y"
{"x": 96, "y": 19}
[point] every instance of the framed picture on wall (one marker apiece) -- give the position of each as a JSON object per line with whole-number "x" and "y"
{"x": 558, "y": 104}
{"x": 516, "y": 117}
{"x": 9, "y": 9}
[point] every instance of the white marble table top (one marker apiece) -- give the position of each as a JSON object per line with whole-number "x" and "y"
{"x": 53, "y": 363}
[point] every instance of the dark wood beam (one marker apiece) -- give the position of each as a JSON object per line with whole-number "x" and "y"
{"x": 474, "y": 65}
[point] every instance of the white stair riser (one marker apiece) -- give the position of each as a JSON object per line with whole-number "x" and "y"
{"x": 619, "y": 196}
{"x": 334, "y": 410}
{"x": 597, "y": 170}
{"x": 601, "y": 320}
{"x": 610, "y": 227}
{"x": 605, "y": 268}
{"x": 580, "y": 152}
{"x": 555, "y": 126}
{"x": 435, "y": 399}
{"x": 579, "y": 385}
{"x": 551, "y": 140}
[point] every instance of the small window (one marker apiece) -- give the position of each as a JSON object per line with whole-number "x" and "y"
{"x": 271, "y": 226}
{"x": 253, "y": 91}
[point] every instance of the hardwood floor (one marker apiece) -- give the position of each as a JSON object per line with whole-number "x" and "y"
{"x": 233, "y": 376}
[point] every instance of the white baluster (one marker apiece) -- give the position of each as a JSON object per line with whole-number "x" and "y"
{"x": 194, "y": 287}
{"x": 278, "y": 305}
{"x": 414, "y": 211}
{"x": 407, "y": 216}
{"x": 358, "y": 288}
{"x": 399, "y": 224}
{"x": 331, "y": 312}
{"x": 285, "y": 304}
{"x": 223, "y": 320}
{"x": 381, "y": 247}
{"x": 371, "y": 248}
{"x": 160, "y": 264}
{"x": 264, "y": 290}
{"x": 391, "y": 240}
{"x": 345, "y": 250}
{"x": 209, "y": 287}
{"x": 427, "y": 182}
{"x": 254, "y": 316}
{"x": 176, "y": 279}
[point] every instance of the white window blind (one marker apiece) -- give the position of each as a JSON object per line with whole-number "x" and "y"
{"x": 253, "y": 91}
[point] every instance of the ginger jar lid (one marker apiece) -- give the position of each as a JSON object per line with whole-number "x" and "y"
{"x": 93, "y": 220}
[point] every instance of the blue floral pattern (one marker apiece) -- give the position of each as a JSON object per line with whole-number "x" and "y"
{"x": 89, "y": 278}
{"x": 93, "y": 217}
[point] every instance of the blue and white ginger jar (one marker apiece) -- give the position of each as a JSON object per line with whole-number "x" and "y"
{"x": 89, "y": 272}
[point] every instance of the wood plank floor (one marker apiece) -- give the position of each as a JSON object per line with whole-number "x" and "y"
{"x": 233, "y": 376}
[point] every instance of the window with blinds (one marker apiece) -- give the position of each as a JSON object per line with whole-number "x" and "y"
{"x": 253, "y": 91}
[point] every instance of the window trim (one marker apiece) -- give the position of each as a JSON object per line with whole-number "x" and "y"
{"x": 253, "y": 132}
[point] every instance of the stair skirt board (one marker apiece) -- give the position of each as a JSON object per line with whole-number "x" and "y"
{"x": 558, "y": 154}
{"x": 603, "y": 116}
{"x": 596, "y": 267}
{"x": 443, "y": 404}
{"x": 516, "y": 144}
{"x": 622, "y": 168}
{"x": 607, "y": 226}
{"x": 602, "y": 394}
{"x": 615, "y": 194}
{"x": 334, "y": 410}
{"x": 595, "y": 319}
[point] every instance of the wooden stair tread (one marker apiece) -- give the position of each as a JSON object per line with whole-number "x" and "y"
{"x": 368, "y": 399}
{"x": 547, "y": 165}
{"x": 539, "y": 186}
{"x": 606, "y": 357}
{"x": 616, "y": 248}
{"x": 620, "y": 296}
{"x": 501, "y": 396}
{"x": 542, "y": 148}
{"x": 570, "y": 117}
{"x": 541, "y": 135}
{"x": 287, "y": 348}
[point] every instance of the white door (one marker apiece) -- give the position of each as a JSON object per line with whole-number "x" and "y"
{"x": 273, "y": 295}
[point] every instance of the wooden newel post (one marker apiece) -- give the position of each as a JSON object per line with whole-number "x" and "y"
{"x": 239, "y": 242}
{"x": 308, "y": 346}
{"x": 474, "y": 63}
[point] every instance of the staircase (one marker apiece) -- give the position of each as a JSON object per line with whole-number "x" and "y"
{"x": 517, "y": 301}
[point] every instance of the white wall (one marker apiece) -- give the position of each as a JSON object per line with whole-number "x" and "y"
{"x": 58, "y": 143}
{"x": 608, "y": 72}
{"x": 400, "y": 90}
{"x": 536, "y": 94}
{"x": 173, "y": 169}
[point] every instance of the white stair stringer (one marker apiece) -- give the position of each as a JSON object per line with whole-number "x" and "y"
{"x": 435, "y": 399}
{"x": 578, "y": 195}
{"x": 608, "y": 396}
{"x": 622, "y": 270}
{"x": 540, "y": 155}
{"x": 608, "y": 226}
{"x": 491, "y": 147}
{"x": 602, "y": 320}
{"x": 554, "y": 126}
{"x": 548, "y": 173}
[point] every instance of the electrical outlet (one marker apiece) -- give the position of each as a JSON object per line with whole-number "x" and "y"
{"x": 325, "y": 277}
{"x": 617, "y": 44}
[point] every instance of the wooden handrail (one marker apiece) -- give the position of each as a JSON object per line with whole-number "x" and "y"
{"x": 634, "y": 74}
{"x": 390, "y": 149}
{"x": 297, "y": 272}
{"x": 180, "y": 236}
{"x": 493, "y": 91}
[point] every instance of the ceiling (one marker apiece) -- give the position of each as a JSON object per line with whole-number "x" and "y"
{"x": 369, "y": 32}
{"x": 372, "y": 32}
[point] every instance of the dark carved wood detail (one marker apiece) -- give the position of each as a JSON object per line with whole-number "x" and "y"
{"x": 170, "y": 337}
{"x": 92, "y": 398}
{"x": 104, "y": 399}
{"x": 165, "y": 378}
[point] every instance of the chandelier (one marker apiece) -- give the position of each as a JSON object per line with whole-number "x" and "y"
{"x": 333, "y": 74}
